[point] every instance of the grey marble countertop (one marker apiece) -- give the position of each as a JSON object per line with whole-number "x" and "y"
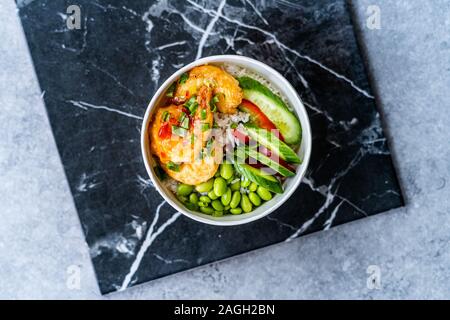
{"x": 41, "y": 242}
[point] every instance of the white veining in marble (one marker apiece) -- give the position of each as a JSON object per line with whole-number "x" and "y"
{"x": 40, "y": 235}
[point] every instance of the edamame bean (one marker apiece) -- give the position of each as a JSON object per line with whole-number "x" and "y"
{"x": 235, "y": 199}
{"x": 245, "y": 182}
{"x": 230, "y": 180}
{"x": 217, "y": 214}
{"x": 226, "y": 197}
{"x": 191, "y": 206}
{"x": 236, "y": 186}
{"x": 207, "y": 210}
{"x": 212, "y": 195}
{"x": 253, "y": 186}
{"x": 184, "y": 189}
{"x": 202, "y": 204}
{"x": 264, "y": 193}
{"x": 220, "y": 186}
{"x": 236, "y": 211}
{"x": 217, "y": 205}
{"x": 193, "y": 198}
{"x": 254, "y": 198}
{"x": 205, "y": 186}
{"x": 205, "y": 199}
{"x": 226, "y": 208}
{"x": 182, "y": 198}
{"x": 246, "y": 205}
{"x": 226, "y": 170}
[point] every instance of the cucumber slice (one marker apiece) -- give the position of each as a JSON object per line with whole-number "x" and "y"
{"x": 259, "y": 177}
{"x": 270, "y": 141}
{"x": 285, "y": 172}
{"x": 274, "y": 108}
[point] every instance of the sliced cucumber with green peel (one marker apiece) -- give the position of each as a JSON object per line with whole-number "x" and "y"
{"x": 271, "y": 142}
{"x": 259, "y": 177}
{"x": 251, "y": 152}
{"x": 274, "y": 108}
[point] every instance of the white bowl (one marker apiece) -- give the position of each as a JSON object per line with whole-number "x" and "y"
{"x": 290, "y": 185}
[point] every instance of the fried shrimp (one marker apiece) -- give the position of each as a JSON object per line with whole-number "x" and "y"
{"x": 179, "y": 136}
{"x": 223, "y": 85}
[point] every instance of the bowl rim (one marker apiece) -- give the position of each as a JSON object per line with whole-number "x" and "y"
{"x": 299, "y": 108}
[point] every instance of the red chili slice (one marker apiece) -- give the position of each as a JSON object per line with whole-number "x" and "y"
{"x": 165, "y": 131}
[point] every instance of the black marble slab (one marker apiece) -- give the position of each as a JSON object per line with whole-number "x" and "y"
{"x": 97, "y": 82}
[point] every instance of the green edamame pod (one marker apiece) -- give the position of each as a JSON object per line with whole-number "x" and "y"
{"x": 217, "y": 205}
{"x": 246, "y": 204}
{"x": 236, "y": 211}
{"x": 264, "y": 193}
{"x": 205, "y": 186}
{"x": 207, "y": 210}
{"x": 220, "y": 186}
{"x": 235, "y": 199}
{"x": 205, "y": 199}
{"x": 226, "y": 197}
{"x": 254, "y": 198}
{"x": 212, "y": 195}
{"x": 253, "y": 186}
{"x": 184, "y": 189}
{"x": 226, "y": 170}
{"x": 193, "y": 198}
{"x": 236, "y": 186}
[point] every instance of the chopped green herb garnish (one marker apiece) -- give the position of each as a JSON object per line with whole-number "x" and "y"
{"x": 193, "y": 107}
{"x": 183, "y": 78}
{"x": 185, "y": 123}
{"x": 192, "y": 104}
{"x": 160, "y": 173}
{"x": 170, "y": 92}
{"x": 165, "y": 116}
{"x": 203, "y": 114}
{"x": 192, "y": 139}
{"x": 215, "y": 126}
{"x": 234, "y": 125}
{"x": 182, "y": 117}
{"x": 212, "y": 103}
{"x": 179, "y": 131}
{"x": 173, "y": 166}
{"x": 205, "y": 127}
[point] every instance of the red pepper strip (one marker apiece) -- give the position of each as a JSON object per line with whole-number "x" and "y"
{"x": 259, "y": 118}
{"x": 165, "y": 131}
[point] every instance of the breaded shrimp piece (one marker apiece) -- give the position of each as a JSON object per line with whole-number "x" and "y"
{"x": 224, "y": 85}
{"x": 185, "y": 151}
